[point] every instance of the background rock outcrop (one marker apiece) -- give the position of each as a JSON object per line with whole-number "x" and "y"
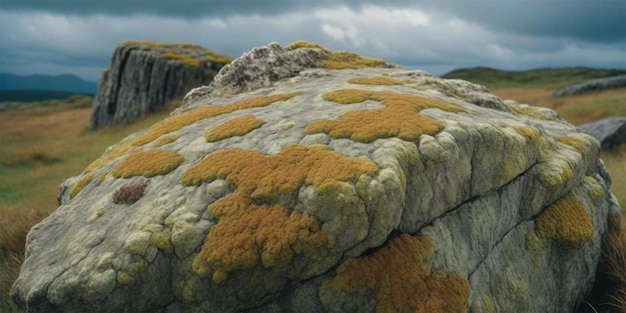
{"x": 610, "y": 132}
{"x": 144, "y": 76}
{"x": 340, "y": 187}
{"x": 592, "y": 86}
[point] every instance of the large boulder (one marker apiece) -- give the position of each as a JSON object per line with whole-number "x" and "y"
{"x": 592, "y": 85}
{"x": 342, "y": 184}
{"x": 144, "y": 76}
{"x": 610, "y": 132}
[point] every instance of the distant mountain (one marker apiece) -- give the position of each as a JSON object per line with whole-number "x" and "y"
{"x": 65, "y": 83}
{"x": 542, "y": 77}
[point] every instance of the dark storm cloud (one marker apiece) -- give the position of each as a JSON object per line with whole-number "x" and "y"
{"x": 173, "y": 8}
{"x": 594, "y": 21}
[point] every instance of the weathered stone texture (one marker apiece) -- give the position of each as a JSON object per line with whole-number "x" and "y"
{"x": 144, "y": 76}
{"x": 367, "y": 188}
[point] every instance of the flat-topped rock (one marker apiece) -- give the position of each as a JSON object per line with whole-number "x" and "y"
{"x": 309, "y": 180}
{"x": 144, "y": 76}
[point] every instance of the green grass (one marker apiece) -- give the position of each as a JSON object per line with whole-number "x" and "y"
{"x": 552, "y": 78}
{"x": 40, "y": 149}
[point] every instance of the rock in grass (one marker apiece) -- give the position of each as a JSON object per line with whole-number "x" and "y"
{"x": 592, "y": 85}
{"x": 309, "y": 180}
{"x": 144, "y": 76}
{"x": 610, "y": 132}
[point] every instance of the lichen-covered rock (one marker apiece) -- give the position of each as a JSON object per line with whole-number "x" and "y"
{"x": 308, "y": 180}
{"x": 144, "y": 76}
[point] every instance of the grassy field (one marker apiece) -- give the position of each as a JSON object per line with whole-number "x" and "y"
{"x": 42, "y": 148}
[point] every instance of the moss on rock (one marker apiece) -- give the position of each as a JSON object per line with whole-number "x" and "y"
{"x": 238, "y": 126}
{"x": 399, "y": 118}
{"x": 147, "y": 163}
{"x": 252, "y": 227}
{"x": 374, "y": 80}
{"x": 566, "y": 221}
{"x": 402, "y": 282}
{"x": 339, "y": 60}
{"x": 79, "y": 185}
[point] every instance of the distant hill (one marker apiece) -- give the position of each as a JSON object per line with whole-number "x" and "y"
{"x": 544, "y": 77}
{"x": 66, "y": 82}
{"x": 35, "y": 95}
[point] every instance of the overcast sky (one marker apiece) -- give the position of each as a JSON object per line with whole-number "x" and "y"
{"x": 78, "y": 36}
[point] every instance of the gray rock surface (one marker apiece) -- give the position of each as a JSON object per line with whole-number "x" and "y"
{"x": 592, "y": 86}
{"x": 610, "y": 132}
{"x": 144, "y": 76}
{"x": 364, "y": 189}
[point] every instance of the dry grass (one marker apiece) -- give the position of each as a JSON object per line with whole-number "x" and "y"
{"x": 40, "y": 149}
{"x": 574, "y": 109}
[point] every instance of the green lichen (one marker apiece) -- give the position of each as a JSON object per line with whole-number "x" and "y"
{"x": 147, "y": 163}
{"x": 566, "y": 221}
{"x": 400, "y": 279}
{"x": 399, "y": 118}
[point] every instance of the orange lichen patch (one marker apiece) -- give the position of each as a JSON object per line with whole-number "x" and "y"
{"x": 567, "y": 221}
{"x": 114, "y": 153}
{"x": 574, "y": 142}
{"x": 179, "y": 121}
{"x": 163, "y": 140}
{"x": 148, "y": 163}
{"x": 374, "y": 80}
{"x": 348, "y": 96}
{"x": 238, "y": 126}
{"x": 401, "y": 280}
{"x": 79, "y": 185}
{"x": 338, "y": 60}
{"x": 399, "y": 118}
{"x": 252, "y": 227}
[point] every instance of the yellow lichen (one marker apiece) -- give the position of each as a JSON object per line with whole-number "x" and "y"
{"x": 374, "y": 80}
{"x": 574, "y": 142}
{"x": 161, "y": 240}
{"x": 196, "y": 54}
{"x": 566, "y": 221}
{"x": 238, "y": 126}
{"x": 400, "y": 279}
{"x": 252, "y": 227}
{"x": 183, "y": 58}
{"x": 529, "y": 133}
{"x": 148, "y": 163}
{"x": 338, "y": 60}
{"x": 163, "y": 140}
{"x": 592, "y": 187}
{"x": 399, "y": 118}
{"x": 79, "y": 185}
{"x": 179, "y": 121}
{"x": 102, "y": 177}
